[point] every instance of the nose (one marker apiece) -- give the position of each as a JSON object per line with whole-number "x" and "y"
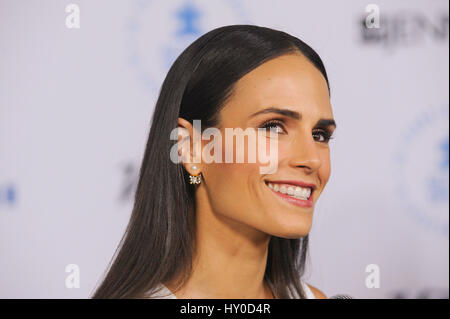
{"x": 305, "y": 154}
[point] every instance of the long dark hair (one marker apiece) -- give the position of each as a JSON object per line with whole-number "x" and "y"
{"x": 159, "y": 242}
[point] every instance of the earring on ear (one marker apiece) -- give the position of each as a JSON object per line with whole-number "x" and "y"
{"x": 194, "y": 179}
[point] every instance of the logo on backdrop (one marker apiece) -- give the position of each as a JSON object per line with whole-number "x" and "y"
{"x": 129, "y": 176}
{"x": 158, "y": 31}
{"x": 421, "y": 293}
{"x": 423, "y": 169}
{"x": 403, "y": 28}
{"x": 8, "y": 195}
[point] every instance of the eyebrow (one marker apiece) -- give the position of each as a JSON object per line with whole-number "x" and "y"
{"x": 294, "y": 115}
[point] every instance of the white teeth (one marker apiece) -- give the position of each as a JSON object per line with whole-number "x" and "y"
{"x": 297, "y": 192}
{"x": 290, "y": 190}
{"x": 305, "y": 191}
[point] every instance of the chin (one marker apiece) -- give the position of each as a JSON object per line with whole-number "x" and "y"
{"x": 293, "y": 235}
{"x": 291, "y": 231}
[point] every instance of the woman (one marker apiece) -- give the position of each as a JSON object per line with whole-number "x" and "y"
{"x": 225, "y": 230}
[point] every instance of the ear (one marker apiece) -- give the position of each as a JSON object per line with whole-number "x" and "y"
{"x": 189, "y": 148}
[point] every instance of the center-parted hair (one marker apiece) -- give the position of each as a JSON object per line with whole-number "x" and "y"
{"x": 159, "y": 242}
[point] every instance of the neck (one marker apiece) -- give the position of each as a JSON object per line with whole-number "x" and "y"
{"x": 229, "y": 259}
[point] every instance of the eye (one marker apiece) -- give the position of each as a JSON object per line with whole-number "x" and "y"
{"x": 324, "y": 136}
{"x": 274, "y": 125}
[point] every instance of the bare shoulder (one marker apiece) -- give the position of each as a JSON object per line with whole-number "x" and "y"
{"x": 317, "y": 293}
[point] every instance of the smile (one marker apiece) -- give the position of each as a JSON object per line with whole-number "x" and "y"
{"x": 293, "y": 194}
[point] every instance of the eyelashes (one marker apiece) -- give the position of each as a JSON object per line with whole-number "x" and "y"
{"x": 273, "y": 124}
{"x": 278, "y": 125}
{"x": 327, "y": 135}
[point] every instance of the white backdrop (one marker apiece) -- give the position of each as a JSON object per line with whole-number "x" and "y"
{"x": 75, "y": 109}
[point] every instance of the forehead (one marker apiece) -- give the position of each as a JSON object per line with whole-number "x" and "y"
{"x": 286, "y": 81}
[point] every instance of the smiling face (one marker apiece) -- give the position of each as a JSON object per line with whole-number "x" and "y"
{"x": 288, "y": 96}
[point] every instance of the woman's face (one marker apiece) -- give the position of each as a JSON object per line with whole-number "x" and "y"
{"x": 288, "y": 96}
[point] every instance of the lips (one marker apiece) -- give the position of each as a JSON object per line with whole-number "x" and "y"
{"x": 294, "y": 192}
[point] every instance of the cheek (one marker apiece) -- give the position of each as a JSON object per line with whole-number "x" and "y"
{"x": 242, "y": 176}
{"x": 325, "y": 168}
{"x": 234, "y": 188}
{"x": 231, "y": 179}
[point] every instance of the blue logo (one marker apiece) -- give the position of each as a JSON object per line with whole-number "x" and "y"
{"x": 188, "y": 16}
{"x": 8, "y": 195}
{"x": 423, "y": 170}
{"x": 158, "y": 31}
{"x": 438, "y": 182}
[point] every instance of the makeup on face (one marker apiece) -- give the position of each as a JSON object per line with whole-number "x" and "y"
{"x": 294, "y": 192}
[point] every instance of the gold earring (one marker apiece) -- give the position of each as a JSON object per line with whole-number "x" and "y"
{"x": 195, "y": 179}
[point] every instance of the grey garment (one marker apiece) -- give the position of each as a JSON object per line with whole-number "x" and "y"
{"x": 162, "y": 292}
